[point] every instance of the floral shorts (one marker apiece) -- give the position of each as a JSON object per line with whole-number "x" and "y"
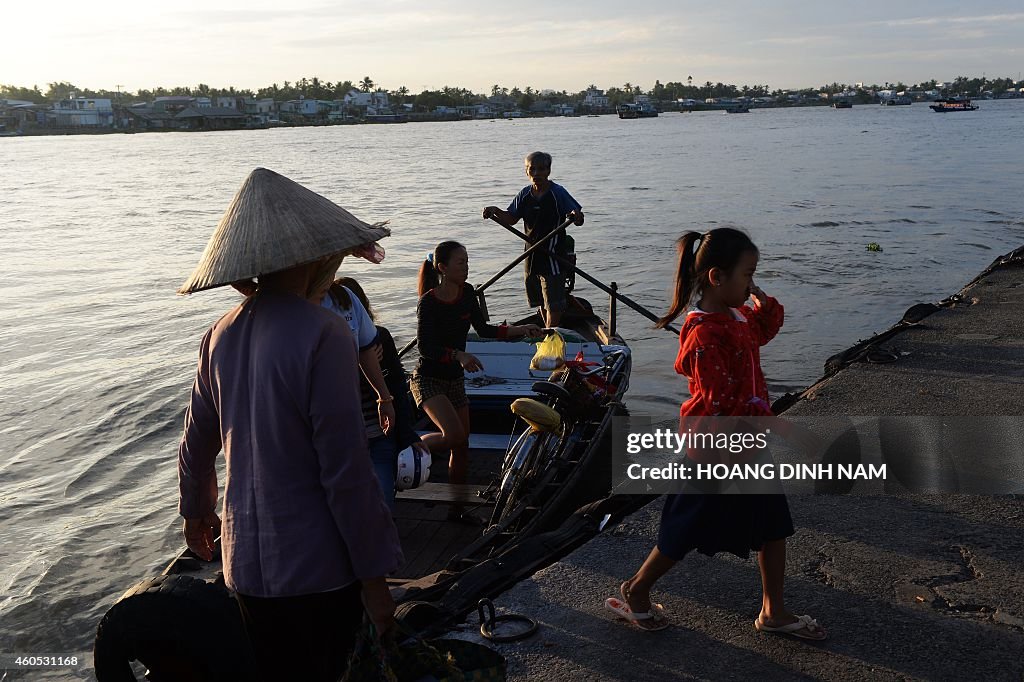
{"x": 425, "y": 387}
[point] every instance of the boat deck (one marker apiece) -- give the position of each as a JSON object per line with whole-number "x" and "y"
{"x": 429, "y": 539}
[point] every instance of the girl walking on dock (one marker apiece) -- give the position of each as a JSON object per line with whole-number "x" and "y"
{"x": 719, "y": 354}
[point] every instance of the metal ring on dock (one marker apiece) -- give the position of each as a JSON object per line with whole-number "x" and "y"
{"x": 880, "y": 356}
{"x": 488, "y": 622}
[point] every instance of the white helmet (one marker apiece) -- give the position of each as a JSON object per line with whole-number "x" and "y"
{"x": 413, "y": 468}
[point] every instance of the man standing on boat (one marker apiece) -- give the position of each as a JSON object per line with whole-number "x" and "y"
{"x": 542, "y": 205}
{"x": 307, "y": 538}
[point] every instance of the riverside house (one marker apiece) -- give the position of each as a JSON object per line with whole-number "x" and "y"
{"x": 81, "y": 112}
{"x": 595, "y": 100}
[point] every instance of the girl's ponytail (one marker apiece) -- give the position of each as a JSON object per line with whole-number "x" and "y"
{"x": 430, "y": 274}
{"x": 684, "y": 284}
{"x": 429, "y": 277}
{"x": 698, "y": 253}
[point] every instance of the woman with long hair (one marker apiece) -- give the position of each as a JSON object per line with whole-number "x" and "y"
{"x": 446, "y": 309}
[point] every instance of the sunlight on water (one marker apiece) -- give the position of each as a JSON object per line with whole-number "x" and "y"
{"x": 98, "y": 352}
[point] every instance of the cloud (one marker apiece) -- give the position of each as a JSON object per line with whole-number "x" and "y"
{"x": 799, "y": 41}
{"x": 938, "y": 21}
{"x": 249, "y": 43}
{"x": 413, "y": 30}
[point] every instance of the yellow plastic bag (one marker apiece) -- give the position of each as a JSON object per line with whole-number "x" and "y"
{"x": 550, "y": 353}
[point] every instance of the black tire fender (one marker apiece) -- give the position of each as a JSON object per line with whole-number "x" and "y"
{"x": 180, "y": 627}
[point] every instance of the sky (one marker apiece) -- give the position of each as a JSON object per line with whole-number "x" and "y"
{"x": 475, "y": 44}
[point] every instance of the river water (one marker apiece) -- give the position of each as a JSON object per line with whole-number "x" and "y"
{"x": 97, "y": 353}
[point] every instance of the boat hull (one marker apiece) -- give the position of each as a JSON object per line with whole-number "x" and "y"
{"x": 944, "y": 106}
{"x": 637, "y": 111}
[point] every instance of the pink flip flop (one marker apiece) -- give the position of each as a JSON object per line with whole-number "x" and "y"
{"x": 648, "y": 620}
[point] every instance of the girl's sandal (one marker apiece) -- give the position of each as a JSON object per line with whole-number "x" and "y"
{"x": 648, "y": 620}
{"x": 804, "y": 627}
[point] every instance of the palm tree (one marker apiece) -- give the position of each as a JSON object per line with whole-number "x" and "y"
{"x": 366, "y": 84}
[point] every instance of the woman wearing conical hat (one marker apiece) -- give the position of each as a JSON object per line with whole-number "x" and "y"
{"x": 307, "y": 539}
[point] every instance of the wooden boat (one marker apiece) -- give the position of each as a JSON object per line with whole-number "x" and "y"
{"x": 952, "y": 104}
{"x": 737, "y": 109}
{"x": 842, "y": 105}
{"x": 539, "y": 495}
{"x": 638, "y": 110}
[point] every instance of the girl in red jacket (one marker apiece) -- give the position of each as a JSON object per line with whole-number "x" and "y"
{"x": 719, "y": 353}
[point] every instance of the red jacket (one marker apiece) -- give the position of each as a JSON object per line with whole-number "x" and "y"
{"x": 720, "y": 355}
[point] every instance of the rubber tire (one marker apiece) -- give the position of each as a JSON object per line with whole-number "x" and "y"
{"x": 181, "y": 628}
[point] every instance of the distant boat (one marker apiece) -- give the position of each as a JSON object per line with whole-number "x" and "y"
{"x": 842, "y": 105}
{"x": 738, "y": 109}
{"x": 952, "y": 104}
{"x": 896, "y": 101}
{"x": 639, "y": 110}
{"x": 387, "y": 118}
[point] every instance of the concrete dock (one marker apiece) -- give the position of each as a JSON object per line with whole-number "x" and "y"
{"x": 909, "y": 586}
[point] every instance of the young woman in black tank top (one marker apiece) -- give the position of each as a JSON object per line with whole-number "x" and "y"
{"x": 446, "y": 309}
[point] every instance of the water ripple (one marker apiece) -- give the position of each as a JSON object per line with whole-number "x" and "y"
{"x": 97, "y": 353}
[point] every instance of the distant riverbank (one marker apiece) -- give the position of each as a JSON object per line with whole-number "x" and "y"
{"x": 418, "y": 118}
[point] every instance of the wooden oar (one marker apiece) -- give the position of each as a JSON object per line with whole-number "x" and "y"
{"x": 540, "y": 246}
{"x": 523, "y": 256}
{"x": 608, "y": 290}
{"x": 526, "y": 254}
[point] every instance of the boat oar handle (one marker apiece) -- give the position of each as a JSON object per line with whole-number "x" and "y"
{"x": 526, "y": 254}
{"x": 600, "y": 285}
{"x": 407, "y": 347}
{"x": 539, "y": 244}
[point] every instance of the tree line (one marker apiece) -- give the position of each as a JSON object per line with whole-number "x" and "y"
{"x": 315, "y": 88}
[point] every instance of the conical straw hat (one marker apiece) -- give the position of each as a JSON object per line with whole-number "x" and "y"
{"x": 273, "y": 224}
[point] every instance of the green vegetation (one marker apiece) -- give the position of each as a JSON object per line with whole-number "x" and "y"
{"x": 873, "y": 246}
{"x": 314, "y": 88}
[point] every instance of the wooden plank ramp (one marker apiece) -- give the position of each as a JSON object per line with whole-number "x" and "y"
{"x": 445, "y": 493}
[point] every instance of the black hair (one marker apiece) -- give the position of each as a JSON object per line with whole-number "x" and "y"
{"x": 719, "y": 248}
{"x": 430, "y": 276}
{"x": 542, "y": 158}
{"x": 339, "y": 290}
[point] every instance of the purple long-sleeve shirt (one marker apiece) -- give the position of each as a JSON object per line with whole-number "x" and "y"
{"x": 278, "y": 387}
